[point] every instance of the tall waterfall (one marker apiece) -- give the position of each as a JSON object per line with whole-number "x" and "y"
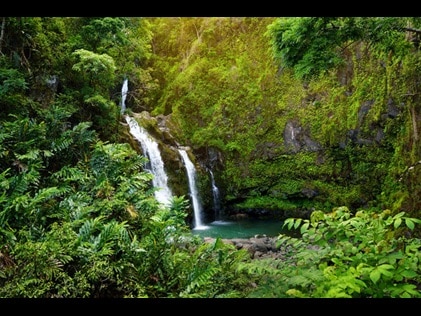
{"x": 155, "y": 164}
{"x": 191, "y": 174}
{"x": 215, "y": 194}
{"x": 124, "y": 90}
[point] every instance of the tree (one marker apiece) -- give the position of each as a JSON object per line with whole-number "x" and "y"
{"x": 99, "y": 68}
{"x": 101, "y": 34}
{"x": 312, "y": 45}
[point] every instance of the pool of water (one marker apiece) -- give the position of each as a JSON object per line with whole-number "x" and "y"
{"x": 244, "y": 228}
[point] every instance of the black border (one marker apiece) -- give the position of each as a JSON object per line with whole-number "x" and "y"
{"x": 78, "y": 8}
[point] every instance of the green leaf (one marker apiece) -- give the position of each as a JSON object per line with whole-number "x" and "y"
{"x": 399, "y": 215}
{"x": 289, "y": 222}
{"x": 397, "y": 223}
{"x": 304, "y": 227}
{"x": 379, "y": 270}
{"x": 409, "y": 223}
{"x": 297, "y": 223}
{"x": 375, "y": 276}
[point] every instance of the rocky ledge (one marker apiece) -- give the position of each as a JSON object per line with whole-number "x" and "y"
{"x": 259, "y": 247}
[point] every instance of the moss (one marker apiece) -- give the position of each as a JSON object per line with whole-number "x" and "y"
{"x": 228, "y": 94}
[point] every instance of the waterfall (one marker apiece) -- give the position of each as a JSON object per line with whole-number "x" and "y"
{"x": 155, "y": 164}
{"x": 191, "y": 174}
{"x": 215, "y": 194}
{"x": 124, "y": 90}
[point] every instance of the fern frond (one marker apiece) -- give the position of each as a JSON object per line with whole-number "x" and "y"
{"x": 89, "y": 227}
{"x": 201, "y": 279}
{"x": 4, "y": 181}
{"x": 61, "y": 144}
{"x": 49, "y": 193}
{"x": 70, "y": 174}
{"x": 32, "y": 154}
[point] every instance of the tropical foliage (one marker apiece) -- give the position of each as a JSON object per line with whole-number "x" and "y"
{"x": 78, "y": 216}
{"x": 345, "y": 255}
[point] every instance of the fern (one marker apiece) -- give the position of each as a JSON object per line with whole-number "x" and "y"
{"x": 89, "y": 227}
{"x": 70, "y": 174}
{"x": 198, "y": 279}
{"x": 106, "y": 236}
{"x": 46, "y": 194}
{"x": 61, "y": 144}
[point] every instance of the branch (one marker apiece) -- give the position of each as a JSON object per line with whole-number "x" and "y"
{"x": 411, "y": 29}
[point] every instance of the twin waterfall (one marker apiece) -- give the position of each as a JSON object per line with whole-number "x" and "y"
{"x": 155, "y": 165}
{"x": 215, "y": 194}
{"x": 124, "y": 90}
{"x": 191, "y": 174}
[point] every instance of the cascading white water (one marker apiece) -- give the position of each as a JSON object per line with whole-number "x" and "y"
{"x": 191, "y": 175}
{"x": 215, "y": 194}
{"x": 124, "y": 90}
{"x": 151, "y": 151}
{"x": 155, "y": 165}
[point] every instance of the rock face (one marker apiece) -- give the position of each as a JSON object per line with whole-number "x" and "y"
{"x": 168, "y": 146}
{"x": 165, "y": 132}
{"x": 297, "y": 138}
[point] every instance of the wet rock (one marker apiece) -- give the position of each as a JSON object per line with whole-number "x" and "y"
{"x": 258, "y": 247}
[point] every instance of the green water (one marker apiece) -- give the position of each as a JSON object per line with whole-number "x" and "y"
{"x": 245, "y": 228}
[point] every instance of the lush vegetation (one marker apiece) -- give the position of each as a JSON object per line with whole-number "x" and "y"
{"x": 78, "y": 217}
{"x": 345, "y": 86}
{"x": 345, "y": 255}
